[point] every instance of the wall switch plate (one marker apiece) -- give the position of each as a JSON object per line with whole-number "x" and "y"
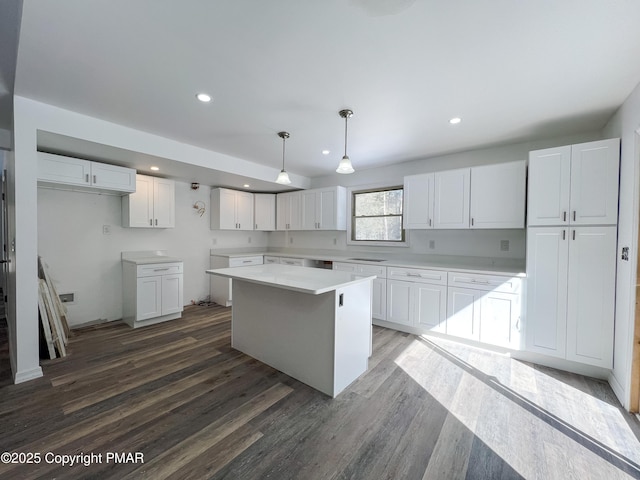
{"x": 432, "y": 244}
{"x": 106, "y": 229}
{"x": 504, "y": 245}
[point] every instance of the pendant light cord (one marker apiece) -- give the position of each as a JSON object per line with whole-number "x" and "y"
{"x": 283, "y": 146}
{"x": 346, "y": 120}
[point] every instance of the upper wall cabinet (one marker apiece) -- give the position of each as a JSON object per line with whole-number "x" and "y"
{"x": 324, "y": 209}
{"x": 264, "y": 211}
{"x": 418, "y": 201}
{"x": 452, "y": 190}
{"x": 288, "y": 211}
{"x": 153, "y": 205}
{"x": 70, "y": 173}
{"x": 498, "y": 195}
{"x": 231, "y": 209}
{"x": 574, "y": 185}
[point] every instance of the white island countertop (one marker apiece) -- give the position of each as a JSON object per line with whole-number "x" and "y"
{"x": 314, "y": 281}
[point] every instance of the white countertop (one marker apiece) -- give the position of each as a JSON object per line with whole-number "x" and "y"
{"x": 497, "y": 266}
{"x": 309, "y": 280}
{"x": 148, "y": 257}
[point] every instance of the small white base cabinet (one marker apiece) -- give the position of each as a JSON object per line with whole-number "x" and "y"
{"x": 152, "y": 293}
{"x": 485, "y": 308}
{"x": 417, "y": 298}
{"x": 220, "y": 287}
{"x": 379, "y": 288}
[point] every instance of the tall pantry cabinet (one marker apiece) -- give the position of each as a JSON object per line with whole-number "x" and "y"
{"x": 571, "y": 251}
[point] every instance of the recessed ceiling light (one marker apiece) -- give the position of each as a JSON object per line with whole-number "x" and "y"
{"x": 154, "y": 168}
{"x": 203, "y": 97}
{"x": 326, "y": 152}
{"x": 246, "y": 185}
{"x": 455, "y": 120}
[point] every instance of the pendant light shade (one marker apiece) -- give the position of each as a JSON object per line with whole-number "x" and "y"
{"x": 345, "y": 164}
{"x": 283, "y": 176}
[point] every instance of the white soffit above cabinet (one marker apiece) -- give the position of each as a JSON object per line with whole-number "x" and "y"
{"x": 513, "y": 71}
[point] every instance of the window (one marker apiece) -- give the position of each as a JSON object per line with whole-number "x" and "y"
{"x": 376, "y": 215}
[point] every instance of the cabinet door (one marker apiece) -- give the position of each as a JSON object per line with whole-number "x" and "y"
{"x": 112, "y": 177}
{"x": 137, "y": 207}
{"x": 264, "y": 211}
{"x": 295, "y": 215}
{"x": 164, "y": 203}
{"x": 549, "y": 182}
{"x": 283, "y": 211}
{"x": 500, "y": 319}
{"x": 149, "y": 297}
{"x": 172, "y": 294}
{"x": 430, "y": 306}
{"x": 327, "y": 209}
{"x": 547, "y": 268}
{"x": 594, "y": 182}
{"x": 244, "y": 210}
{"x": 379, "y": 299}
{"x": 463, "y": 313}
{"x": 590, "y": 299}
{"x": 223, "y": 209}
{"x": 418, "y": 201}
{"x": 308, "y": 201}
{"x": 59, "y": 169}
{"x": 498, "y": 195}
{"x": 452, "y": 190}
{"x": 399, "y": 302}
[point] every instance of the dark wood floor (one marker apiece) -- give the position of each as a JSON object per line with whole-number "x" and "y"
{"x": 177, "y": 394}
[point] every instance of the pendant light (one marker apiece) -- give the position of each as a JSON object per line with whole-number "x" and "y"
{"x": 283, "y": 176}
{"x": 345, "y": 164}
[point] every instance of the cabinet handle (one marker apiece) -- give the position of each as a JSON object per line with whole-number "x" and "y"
{"x": 256, "y": 227}
{"x": 564, "y": 234}
{"x": 94, "y": 179}
{"x": 151, "y": 222}
{"x": 472, "y": 221}
{"x": 160, "y": 269}
{"x": 246, "y": 261}
{"x": 156, "y": 222}
{"x": 574, "y": 215}
{"x": 574, "y": 235}
{"x": 86, "y": 178}
{"x": 518, "y": 324}
{"x": 429, "y": 222}
{"x": 564, "y": 216}
{"x": 239, "y": 225}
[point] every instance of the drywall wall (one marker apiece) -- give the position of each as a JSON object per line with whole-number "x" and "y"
{"x": 85, "y": 261}
{"x": 625, "y": 124}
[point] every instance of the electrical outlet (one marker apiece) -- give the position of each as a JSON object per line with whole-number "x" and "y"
{"x": 249, "y": 240}
{"x": 504, "y": 245}
{"x": 432, "y": 244}
{"x": 67, "y": 297}
{"x": 106, "y": 229}
{"x": 335, "y": 241}
{"x": 290, "y": 239}
{"x": 214, "y": 241}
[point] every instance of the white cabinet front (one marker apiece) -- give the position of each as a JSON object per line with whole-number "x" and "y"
{"x": 452, "y": 191}
{"x": 149, "y": 299}
{"x": 323, "y": 209}
{"x": 172, "y": 290}
{"x": 231, "y": 209}
{"x": 416, "y": 304}
{"x": 153, "y": 204}
{"x": 264, "y": 211}
{"x": 288, "y": 215}
{"x": 418, "y": 201}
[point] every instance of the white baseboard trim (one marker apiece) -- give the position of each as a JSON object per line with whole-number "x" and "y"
{"x": 27, "y": 375}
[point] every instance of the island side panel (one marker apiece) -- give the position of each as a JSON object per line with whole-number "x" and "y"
{"x": 353, "y": 333}
{"x": 290, "y": 331}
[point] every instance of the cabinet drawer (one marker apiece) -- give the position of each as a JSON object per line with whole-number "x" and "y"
{"x": 268, "y": 259}
{"x": 245, "y": 261}
{"x": 435, "y": 277}
{"x": 494, "y": 283}
{"x": 159, "y": 269}
{"x": 379, "y": 271}
{"x": 298, "y": 262}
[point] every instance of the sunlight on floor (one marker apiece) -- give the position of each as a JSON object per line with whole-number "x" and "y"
{"x": 543, "y": 427}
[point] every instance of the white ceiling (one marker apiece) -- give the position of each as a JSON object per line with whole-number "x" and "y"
{"x": 512, "y": 70}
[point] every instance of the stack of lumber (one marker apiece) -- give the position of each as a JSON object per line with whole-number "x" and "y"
{"x": 53, "y": 314}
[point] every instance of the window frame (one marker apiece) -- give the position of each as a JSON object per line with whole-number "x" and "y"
{"x": 351, "y": 192}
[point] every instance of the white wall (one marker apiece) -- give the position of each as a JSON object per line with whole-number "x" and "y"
{"x": 624, "y": 124}
{"x": 86, "y": 262}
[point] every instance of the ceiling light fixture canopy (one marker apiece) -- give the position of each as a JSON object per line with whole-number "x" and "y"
{"x": 345, "y": 164}
{"x": 283, "y": 176}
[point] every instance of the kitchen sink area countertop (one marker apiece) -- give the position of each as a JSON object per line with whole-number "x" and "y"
{"x": 505, "y": 266}
{"x": 148, "y": 257}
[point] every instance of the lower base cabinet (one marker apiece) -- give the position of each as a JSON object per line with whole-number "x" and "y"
{"x": 379, "y": 285}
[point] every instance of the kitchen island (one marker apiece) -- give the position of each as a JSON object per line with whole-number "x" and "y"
{"x": 312, "y": 324}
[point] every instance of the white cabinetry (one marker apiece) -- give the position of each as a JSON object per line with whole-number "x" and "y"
{"x": 379, "y": 287}
{"x": 220, "y": 287}
{"x": 418, "y": 201}
{"x": 571, "y": 293}
{"x": 270, "y": 260}
{"x": 574, "y": 185}
{"x": 264, "y": 211}
{"x": 484, "y": 308}
{"x": 323, "y": 209}
{"x": 417, "y": 297}
{"x": 288, "y": 211}
{"x": 58, "y": 171}
{"x": 498, "y": 195}
{"x": 452, "y": 189}
{"x": 152, "y": 293}
{"x": 153, "y": 204}
{"x": 231, "y": 209}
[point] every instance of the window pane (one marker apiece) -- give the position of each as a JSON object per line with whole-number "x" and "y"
{"x": 388, "y": 202}
{"x": 379, "y": 228}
